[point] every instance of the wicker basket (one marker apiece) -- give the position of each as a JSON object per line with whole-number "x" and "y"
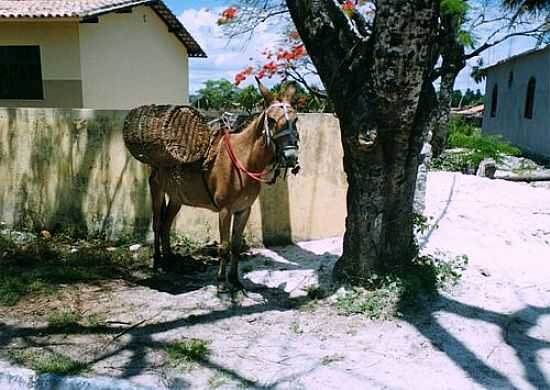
{"x": 161, "y": 135}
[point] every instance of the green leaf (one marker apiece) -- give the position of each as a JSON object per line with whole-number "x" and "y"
{"x": 454, "y": 7}
{"x": 466, "y": 39}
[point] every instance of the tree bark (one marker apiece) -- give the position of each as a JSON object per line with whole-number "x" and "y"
{"x": 378, "y": 87}
{"x": 453, "y": 61}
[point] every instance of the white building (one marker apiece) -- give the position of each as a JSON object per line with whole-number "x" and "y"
{"x": 517, "y": 100}
{"x": 100, "y": 54}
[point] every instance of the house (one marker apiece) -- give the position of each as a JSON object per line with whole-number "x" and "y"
{"x": 98, "y": 54}
{"x": 473, "y": 115}
{"x": 517, "y": 100}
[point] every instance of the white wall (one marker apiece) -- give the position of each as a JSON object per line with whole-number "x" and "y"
{"x": 131, "y": 59}
{"x": 60, "y": 58}
{"x": 532, "y": 135}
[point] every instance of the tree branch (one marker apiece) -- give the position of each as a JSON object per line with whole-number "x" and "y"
{"x": 539, "y": 29}
{"x": 296, "y": 76}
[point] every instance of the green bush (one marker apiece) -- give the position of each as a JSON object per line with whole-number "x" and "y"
{"x": 475, "y": 146}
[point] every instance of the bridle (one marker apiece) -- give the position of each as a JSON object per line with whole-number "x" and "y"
{"x": 268, "y": 133}
{"x": 270, "y": 141}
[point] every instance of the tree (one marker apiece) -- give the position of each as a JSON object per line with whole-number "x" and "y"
{"x": 376, "y": 73}
{"x": 222, "y": 95}
{"x": 217, "y": 95}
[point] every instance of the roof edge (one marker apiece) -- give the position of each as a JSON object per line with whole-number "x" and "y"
{"x": 107, "y": 10}
{"x": 516, "y": 56}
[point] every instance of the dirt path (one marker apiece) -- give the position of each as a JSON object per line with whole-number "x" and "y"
{"x": 492, "y": 331}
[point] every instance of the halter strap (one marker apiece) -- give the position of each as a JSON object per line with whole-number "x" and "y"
{"x": 257, "y": 176}
{"x": 268, "y": 134}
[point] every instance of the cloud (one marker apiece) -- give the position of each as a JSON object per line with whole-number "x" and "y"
{"x": 225, "y": 58}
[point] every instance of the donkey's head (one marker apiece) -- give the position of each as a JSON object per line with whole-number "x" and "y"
{"x": 279, "y": 125}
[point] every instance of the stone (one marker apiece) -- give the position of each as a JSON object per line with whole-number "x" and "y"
{"x": 135, "y": 247}
{"x": 487, "y": 168}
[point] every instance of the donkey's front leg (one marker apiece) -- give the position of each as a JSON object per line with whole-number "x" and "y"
{"x": 239, "y": 223}
{"x": 224, "y": 251}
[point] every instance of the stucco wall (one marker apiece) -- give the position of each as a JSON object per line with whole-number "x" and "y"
{"x": 132, "y": 59}
{"x": 532, "y": 135}
{"x": 69, "y": 170}
{"x": 60, "y": 55}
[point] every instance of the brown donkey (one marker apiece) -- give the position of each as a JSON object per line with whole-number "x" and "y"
{"x": 232, "y": 181}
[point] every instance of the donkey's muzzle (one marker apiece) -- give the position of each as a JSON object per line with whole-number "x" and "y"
{"x": 289, "y": 157}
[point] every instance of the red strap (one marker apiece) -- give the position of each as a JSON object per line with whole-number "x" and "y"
{"x": 258, "y": 176}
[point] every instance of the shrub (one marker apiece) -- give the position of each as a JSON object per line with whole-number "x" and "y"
{"x": 473, "y": 147}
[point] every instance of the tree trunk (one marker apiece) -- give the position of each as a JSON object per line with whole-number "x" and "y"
{"x": 377, "y": 87}
{"x": 452, "y": 53}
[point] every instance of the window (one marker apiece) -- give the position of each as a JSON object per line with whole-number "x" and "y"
{"x": 20, "y": 73}
{"x": 494, "y": 101}
{"x": 530, "y": 98}
{"x": 511, "y": 79}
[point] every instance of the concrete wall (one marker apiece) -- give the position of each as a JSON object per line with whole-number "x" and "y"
{"x": 60, "y": 55}
{"x": 532, "y": 135}
{"x": 131, "y": 59}
{"x": 69, "y": 170}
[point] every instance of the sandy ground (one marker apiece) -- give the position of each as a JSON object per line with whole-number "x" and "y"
{"x": 492, "y": 331}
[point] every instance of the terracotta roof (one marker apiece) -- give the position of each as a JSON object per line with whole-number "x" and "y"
{"x": 85, "y": 9}
{"x": 469, "y": 111}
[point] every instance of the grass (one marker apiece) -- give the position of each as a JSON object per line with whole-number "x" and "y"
{"x": 64, "y": 320}
{"x": 184, "y": 352}
{"x": 42, "y": 265}
{"x": 477, "y": 147}
{"x": 184, "y": 243}
{"x": 96, "y": 319}
{"x": 50, "y": 363}
{"x": 390, "y": 295}
{"x": 326, "y": 360}
{"x": 295, "y": 328}
{"x": 218, "y": 380}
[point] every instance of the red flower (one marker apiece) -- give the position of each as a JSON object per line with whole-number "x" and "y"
{"x": 230, "y": 13}
{"x": 239, "y": 78}
{"x": 228, "y": 16}
{"x": 348, "y": 7}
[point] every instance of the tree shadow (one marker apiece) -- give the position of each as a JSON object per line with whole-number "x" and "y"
{"x": 138, "y": 339}
{"x": 514, "y": 331}
{"x": 435, "y": 225}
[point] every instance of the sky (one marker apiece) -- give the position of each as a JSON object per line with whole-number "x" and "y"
{"x": 225, "y": 59}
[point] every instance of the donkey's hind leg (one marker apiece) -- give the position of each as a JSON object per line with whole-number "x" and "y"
{"x": 239, "y": 223}
{"x": 167, "y": 219}
{"x": 159, "y": 206}
{"x": 224, "y": 251}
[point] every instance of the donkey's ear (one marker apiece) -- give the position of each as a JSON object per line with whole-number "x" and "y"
{"x": 288, "y": 92}
{"x": 268, "y": 96}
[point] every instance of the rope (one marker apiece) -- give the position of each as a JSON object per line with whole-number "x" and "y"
{"x": 257, "y": 176}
